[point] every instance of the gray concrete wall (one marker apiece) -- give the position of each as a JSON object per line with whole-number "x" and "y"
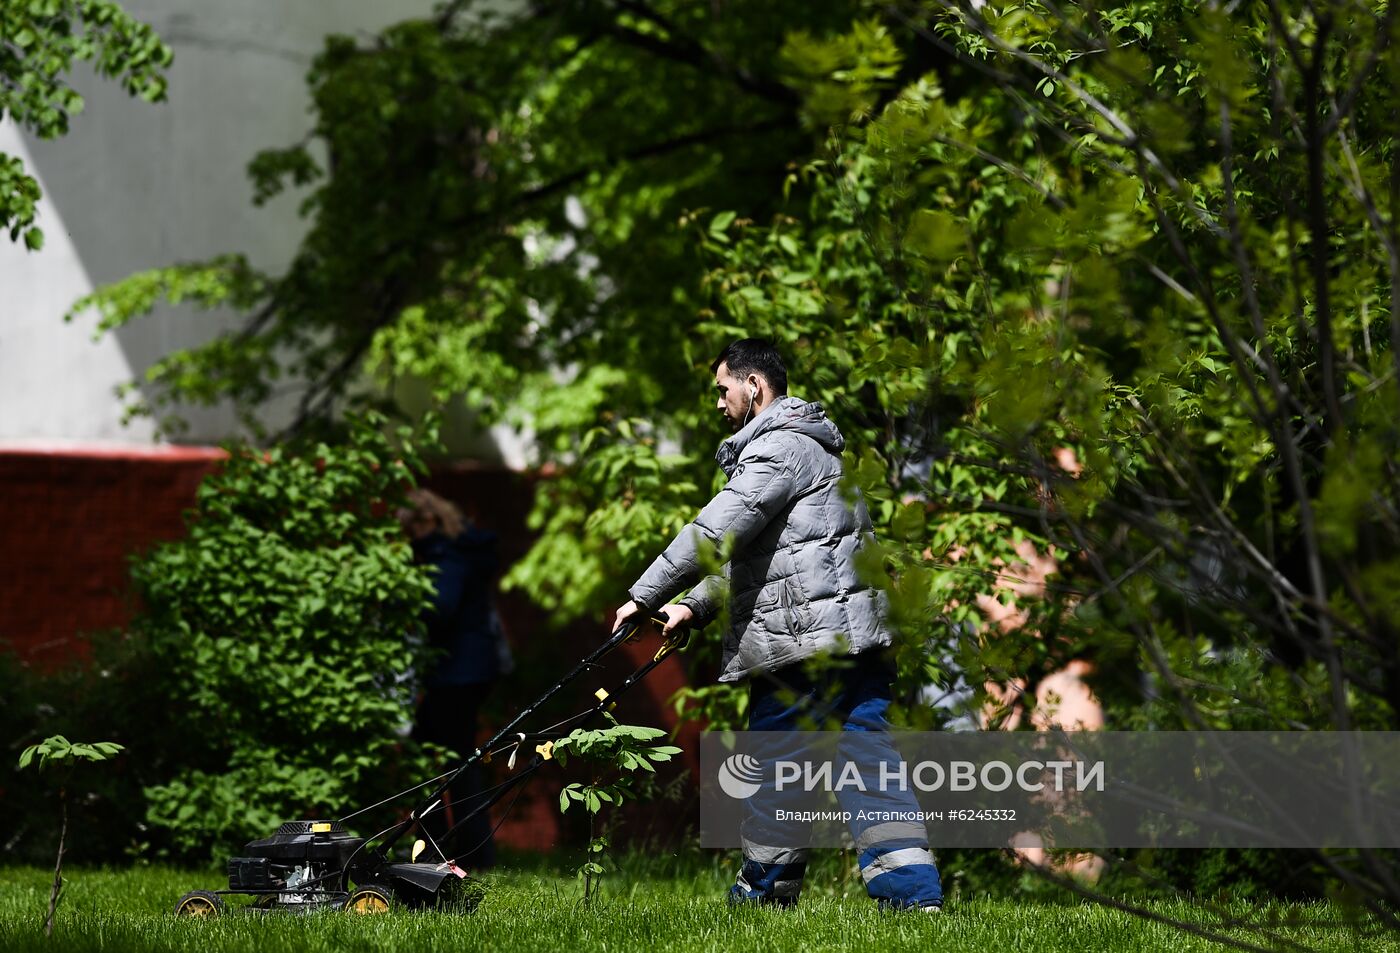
{"x": 135, "y": 186}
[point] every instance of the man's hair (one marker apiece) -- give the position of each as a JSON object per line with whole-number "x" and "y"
{"x": 755, "y": 356}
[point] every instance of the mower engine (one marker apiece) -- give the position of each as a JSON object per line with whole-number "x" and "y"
{"x": 300, "y": 865}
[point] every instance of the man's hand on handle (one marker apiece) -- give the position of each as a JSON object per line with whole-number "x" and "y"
{"x": 676, "y": 616}
{"x": 625, "y": 613}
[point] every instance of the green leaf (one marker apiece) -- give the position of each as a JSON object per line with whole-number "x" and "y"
{"x": 721, "y": 222}
{"x": 935, "y": 234}
{"x": 908, "y": 522}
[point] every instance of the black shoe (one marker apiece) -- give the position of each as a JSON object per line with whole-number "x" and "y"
{"x": 737, "y": 899}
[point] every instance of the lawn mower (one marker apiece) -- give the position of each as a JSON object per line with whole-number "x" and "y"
{"x": 309, "y": 865}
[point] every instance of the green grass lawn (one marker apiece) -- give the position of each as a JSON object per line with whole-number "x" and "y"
{"x": 649, "y": 904}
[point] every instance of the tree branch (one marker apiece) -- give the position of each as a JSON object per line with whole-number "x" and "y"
{"x": 684, "y": 49}
{"x": 649, "y": 151}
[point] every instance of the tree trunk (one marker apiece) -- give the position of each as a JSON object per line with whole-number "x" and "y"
{"x": 58, "y": 864}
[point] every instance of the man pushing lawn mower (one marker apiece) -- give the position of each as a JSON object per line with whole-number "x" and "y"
{"x": 795, "y": 599}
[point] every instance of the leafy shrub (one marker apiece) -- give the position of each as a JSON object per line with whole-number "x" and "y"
{"x": 1234, "y": 873}
{"x": 281, "y": 631}
{"x": 267, "y": 674}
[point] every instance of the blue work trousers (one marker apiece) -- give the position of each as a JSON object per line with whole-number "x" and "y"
{"x": 854, "y": 694}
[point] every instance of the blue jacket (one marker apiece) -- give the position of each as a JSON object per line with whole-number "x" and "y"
{"x": 459, "y": 623}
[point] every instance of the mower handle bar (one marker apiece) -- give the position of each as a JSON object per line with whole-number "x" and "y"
{"x": 623, "y": 633}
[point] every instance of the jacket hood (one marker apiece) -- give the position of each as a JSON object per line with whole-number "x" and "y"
{"x": 785, "y": 413}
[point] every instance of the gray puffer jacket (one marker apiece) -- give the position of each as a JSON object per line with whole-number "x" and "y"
{"x": 792, "y": 582}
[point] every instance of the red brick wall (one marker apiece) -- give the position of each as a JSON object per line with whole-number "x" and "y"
{"x": 68, "y": 522}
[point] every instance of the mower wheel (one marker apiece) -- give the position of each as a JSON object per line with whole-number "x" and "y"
{"x": 201, "y": 904}
{"x": 370, "y": 898}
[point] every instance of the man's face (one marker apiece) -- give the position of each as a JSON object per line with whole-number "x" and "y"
{"x": 733, "y": 400}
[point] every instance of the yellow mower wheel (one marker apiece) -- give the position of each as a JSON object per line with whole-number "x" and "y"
{"x": 201, "y": 904}
{"x": 370, "y": 898}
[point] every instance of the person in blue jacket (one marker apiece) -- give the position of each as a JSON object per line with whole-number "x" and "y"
{"x": 464, "y": 630}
